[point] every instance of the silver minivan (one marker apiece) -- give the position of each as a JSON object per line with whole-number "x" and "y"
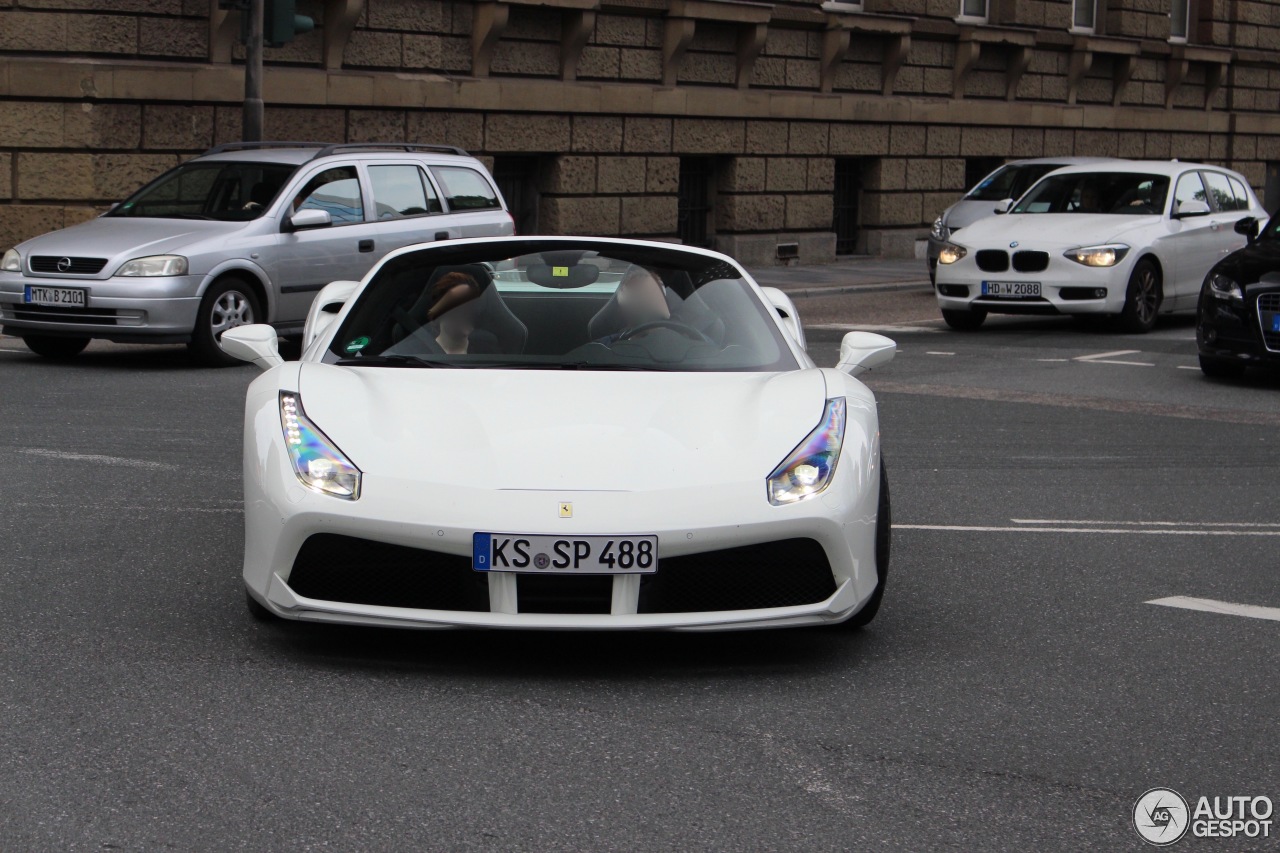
{"x": 245, "y": 233}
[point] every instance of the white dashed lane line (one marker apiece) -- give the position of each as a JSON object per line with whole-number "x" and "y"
{"x": 1209, "y": 605}
{"x": 1145, "y": 528}
{"x": 1110, "y": 358}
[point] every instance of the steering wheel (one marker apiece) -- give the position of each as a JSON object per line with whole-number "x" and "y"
{"x": 674, "y": 325}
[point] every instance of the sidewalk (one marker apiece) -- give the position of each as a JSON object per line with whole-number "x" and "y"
{"x": 854, "y": 273}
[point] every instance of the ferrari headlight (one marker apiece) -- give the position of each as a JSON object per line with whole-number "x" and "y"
{"x": 1225, "y": 288}
{"x": 809, "y": 468}
{"x": 316, "y": 460}
{"x": 940, "y": 230}
{"x": 1098, "y": 256}
{"x": 154, "y": 265}
{"x": 12, "y": 261}
{"x": 951, "y": 253}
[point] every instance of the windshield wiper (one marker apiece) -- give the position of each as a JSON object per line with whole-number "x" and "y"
{"x": 392, "y": 361}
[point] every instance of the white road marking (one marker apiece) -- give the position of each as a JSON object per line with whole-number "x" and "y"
{"x": 930, "y": 352}
{"x": 1159, "y": 531}
{"x": 1098, "y": 355}
{"x": 1146, "y": 523}
{"x": 1053, "y": 359}
{"x": 1208, "y": 605}
{"x": 98, "y": 458}
{"x": 1188, "y": 367}
{"x": 886, "y": 329}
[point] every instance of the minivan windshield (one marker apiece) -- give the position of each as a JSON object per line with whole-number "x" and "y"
{"x": 1010, "y": 181}
{"x": 222, "y": 191}
{"x": 1123, "y": 193}
{"x": 560, "y": 305}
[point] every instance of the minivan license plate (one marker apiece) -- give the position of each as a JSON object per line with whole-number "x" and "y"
{"x": 564, "y": 555}
{"x": 61, "y": 297}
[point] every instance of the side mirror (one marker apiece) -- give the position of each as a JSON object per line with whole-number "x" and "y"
{"x": 1193, "y": 207}
{"x": 256, "y": 343}
{"x": 787, "y": 313}
{"x": 324, "y": 309}
{"x": 863, "y": 351}
{"x": 309, "y": 218}
{"x": 1248, "y": 227}
{"x": 1003, "y": 207}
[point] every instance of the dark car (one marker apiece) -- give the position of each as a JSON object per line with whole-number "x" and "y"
{"x": 1238, "y": 317}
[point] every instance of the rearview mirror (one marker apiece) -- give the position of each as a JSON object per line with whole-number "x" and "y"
{"x": 309, "y": 218}
{"x": 863, "y": 351}
{"x": 1192, "y": 207}
{"x": 324, "y": 309}
{"x": 1003, "y": 207}
{"x": 256, "y": 343}
{"x": 1248, "y": 227}
{"x": 786, "y": 313}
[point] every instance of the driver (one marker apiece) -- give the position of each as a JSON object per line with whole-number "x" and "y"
{"x": 641, "y": 299}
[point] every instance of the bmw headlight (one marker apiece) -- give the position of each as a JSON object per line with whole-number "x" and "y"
{"x": 1098, "y": 256}
{"x": 940, "y": 230}
{"x": 951, "y": 253}
{"x": 809, "y": 468}
{"x": 1225, "y": 288}
{"x": 316, "y": 460}
{"x": 11, "y": 262}
{"x": 155, "y": 265}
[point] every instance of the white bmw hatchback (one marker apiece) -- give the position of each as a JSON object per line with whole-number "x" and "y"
{"x": 561, "y": 433}
{"x": 1129, "y": 239}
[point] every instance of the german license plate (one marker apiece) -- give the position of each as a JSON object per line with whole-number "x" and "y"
{"x": 1275, "y": 322}
{"x": 1011, "y": 289}
{"x": 564, "y": 555}
{"x": 62, "y": 297}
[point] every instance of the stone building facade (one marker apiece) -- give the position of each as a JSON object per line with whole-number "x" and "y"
{"x": 768, "y": 130}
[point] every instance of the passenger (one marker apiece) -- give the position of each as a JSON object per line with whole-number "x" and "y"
{"x": 451, "y": 320}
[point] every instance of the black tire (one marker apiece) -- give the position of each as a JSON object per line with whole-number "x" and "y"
{"x": 884, "y": 532}
{"x": 1142, "y": 298}
{"x": 1221, "y": 368}
{"x": 964, "y": 320}
{"x": 257, "y": 610}
{"x": 227, "y": 304}
{"x": 55, "y": 347}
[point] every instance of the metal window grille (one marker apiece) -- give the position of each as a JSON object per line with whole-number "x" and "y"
{"x": 845, "y": 197}
{"x": 693, "y": 206}
{"x": 516, "y": 177}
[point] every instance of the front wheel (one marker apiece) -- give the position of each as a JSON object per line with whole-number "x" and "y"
{"x": 57, "y": 348}
{"x": 964, "y": 320}
{"x": 225, "y": 305}
{"x": 1141, "y": 299}
{"x": 1221, "y": 368}
{"x": 884, "y": 530}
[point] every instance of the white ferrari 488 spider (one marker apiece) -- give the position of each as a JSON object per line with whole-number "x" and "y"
{"x": 561, "y": 432}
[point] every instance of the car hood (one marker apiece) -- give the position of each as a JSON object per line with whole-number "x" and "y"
{"x": 122, "y": 238}
{"x": 964, "y": 213}
{"x": 1047, "y": 231}
{"x": 1248, "y": 265}
{"x": 562, "y": 430}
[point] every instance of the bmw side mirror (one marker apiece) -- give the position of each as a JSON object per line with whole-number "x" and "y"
{"x": 256, "y": 342}
{"x": 1248, "y": 227}
{"x": 863, "y": 351}
{"x": 1003, "y": 207}
{"x": 309, "y": 218}
{"x": 1193, "y": 207}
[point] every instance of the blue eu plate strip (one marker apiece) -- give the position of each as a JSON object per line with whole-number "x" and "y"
{"x": 480, "y": 551}
{"x": 1275, "y": 323}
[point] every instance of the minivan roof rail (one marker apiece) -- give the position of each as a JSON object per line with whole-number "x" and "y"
{"x": 327, "y": 148}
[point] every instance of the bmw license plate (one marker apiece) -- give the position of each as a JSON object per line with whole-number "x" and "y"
{"x": 1011, "y": 289}
{"x": 564, "y": 555}
{"x": 61, "y": 297}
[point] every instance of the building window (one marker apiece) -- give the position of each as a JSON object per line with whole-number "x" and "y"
{"x": 846, "y": 198}
{"x": 1084, "y": 15}
{"x": 1178, "y": 19}
{"x": 973, "y": 9}
{"x": 693, "y": 205}
{"x": 516, "y": 177}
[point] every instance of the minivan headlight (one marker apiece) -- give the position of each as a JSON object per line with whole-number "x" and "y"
{"x": 11, "y": 262}
{"x": 154, "y": 265}
{"x": 940, "y": 230}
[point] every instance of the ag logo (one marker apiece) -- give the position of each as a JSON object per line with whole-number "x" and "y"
{"x": 1161, "y": 816}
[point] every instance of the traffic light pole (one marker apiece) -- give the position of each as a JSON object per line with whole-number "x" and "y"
{"x": 252, "y": 123}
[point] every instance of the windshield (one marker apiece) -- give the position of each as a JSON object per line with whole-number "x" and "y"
{"x": 1122, "y": 193}
{"x": 1010, "y": 181}
{"x": 227, "y": 192}
{"x": 542, "y": 304}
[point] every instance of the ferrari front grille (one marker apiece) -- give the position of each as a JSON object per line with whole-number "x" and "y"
{"x": 782, "y": 573}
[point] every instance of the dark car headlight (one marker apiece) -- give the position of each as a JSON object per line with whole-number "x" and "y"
{"x": 1224, "y": 287}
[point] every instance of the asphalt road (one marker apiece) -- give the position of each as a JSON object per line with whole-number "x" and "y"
{"x": 1016, "y": 692}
